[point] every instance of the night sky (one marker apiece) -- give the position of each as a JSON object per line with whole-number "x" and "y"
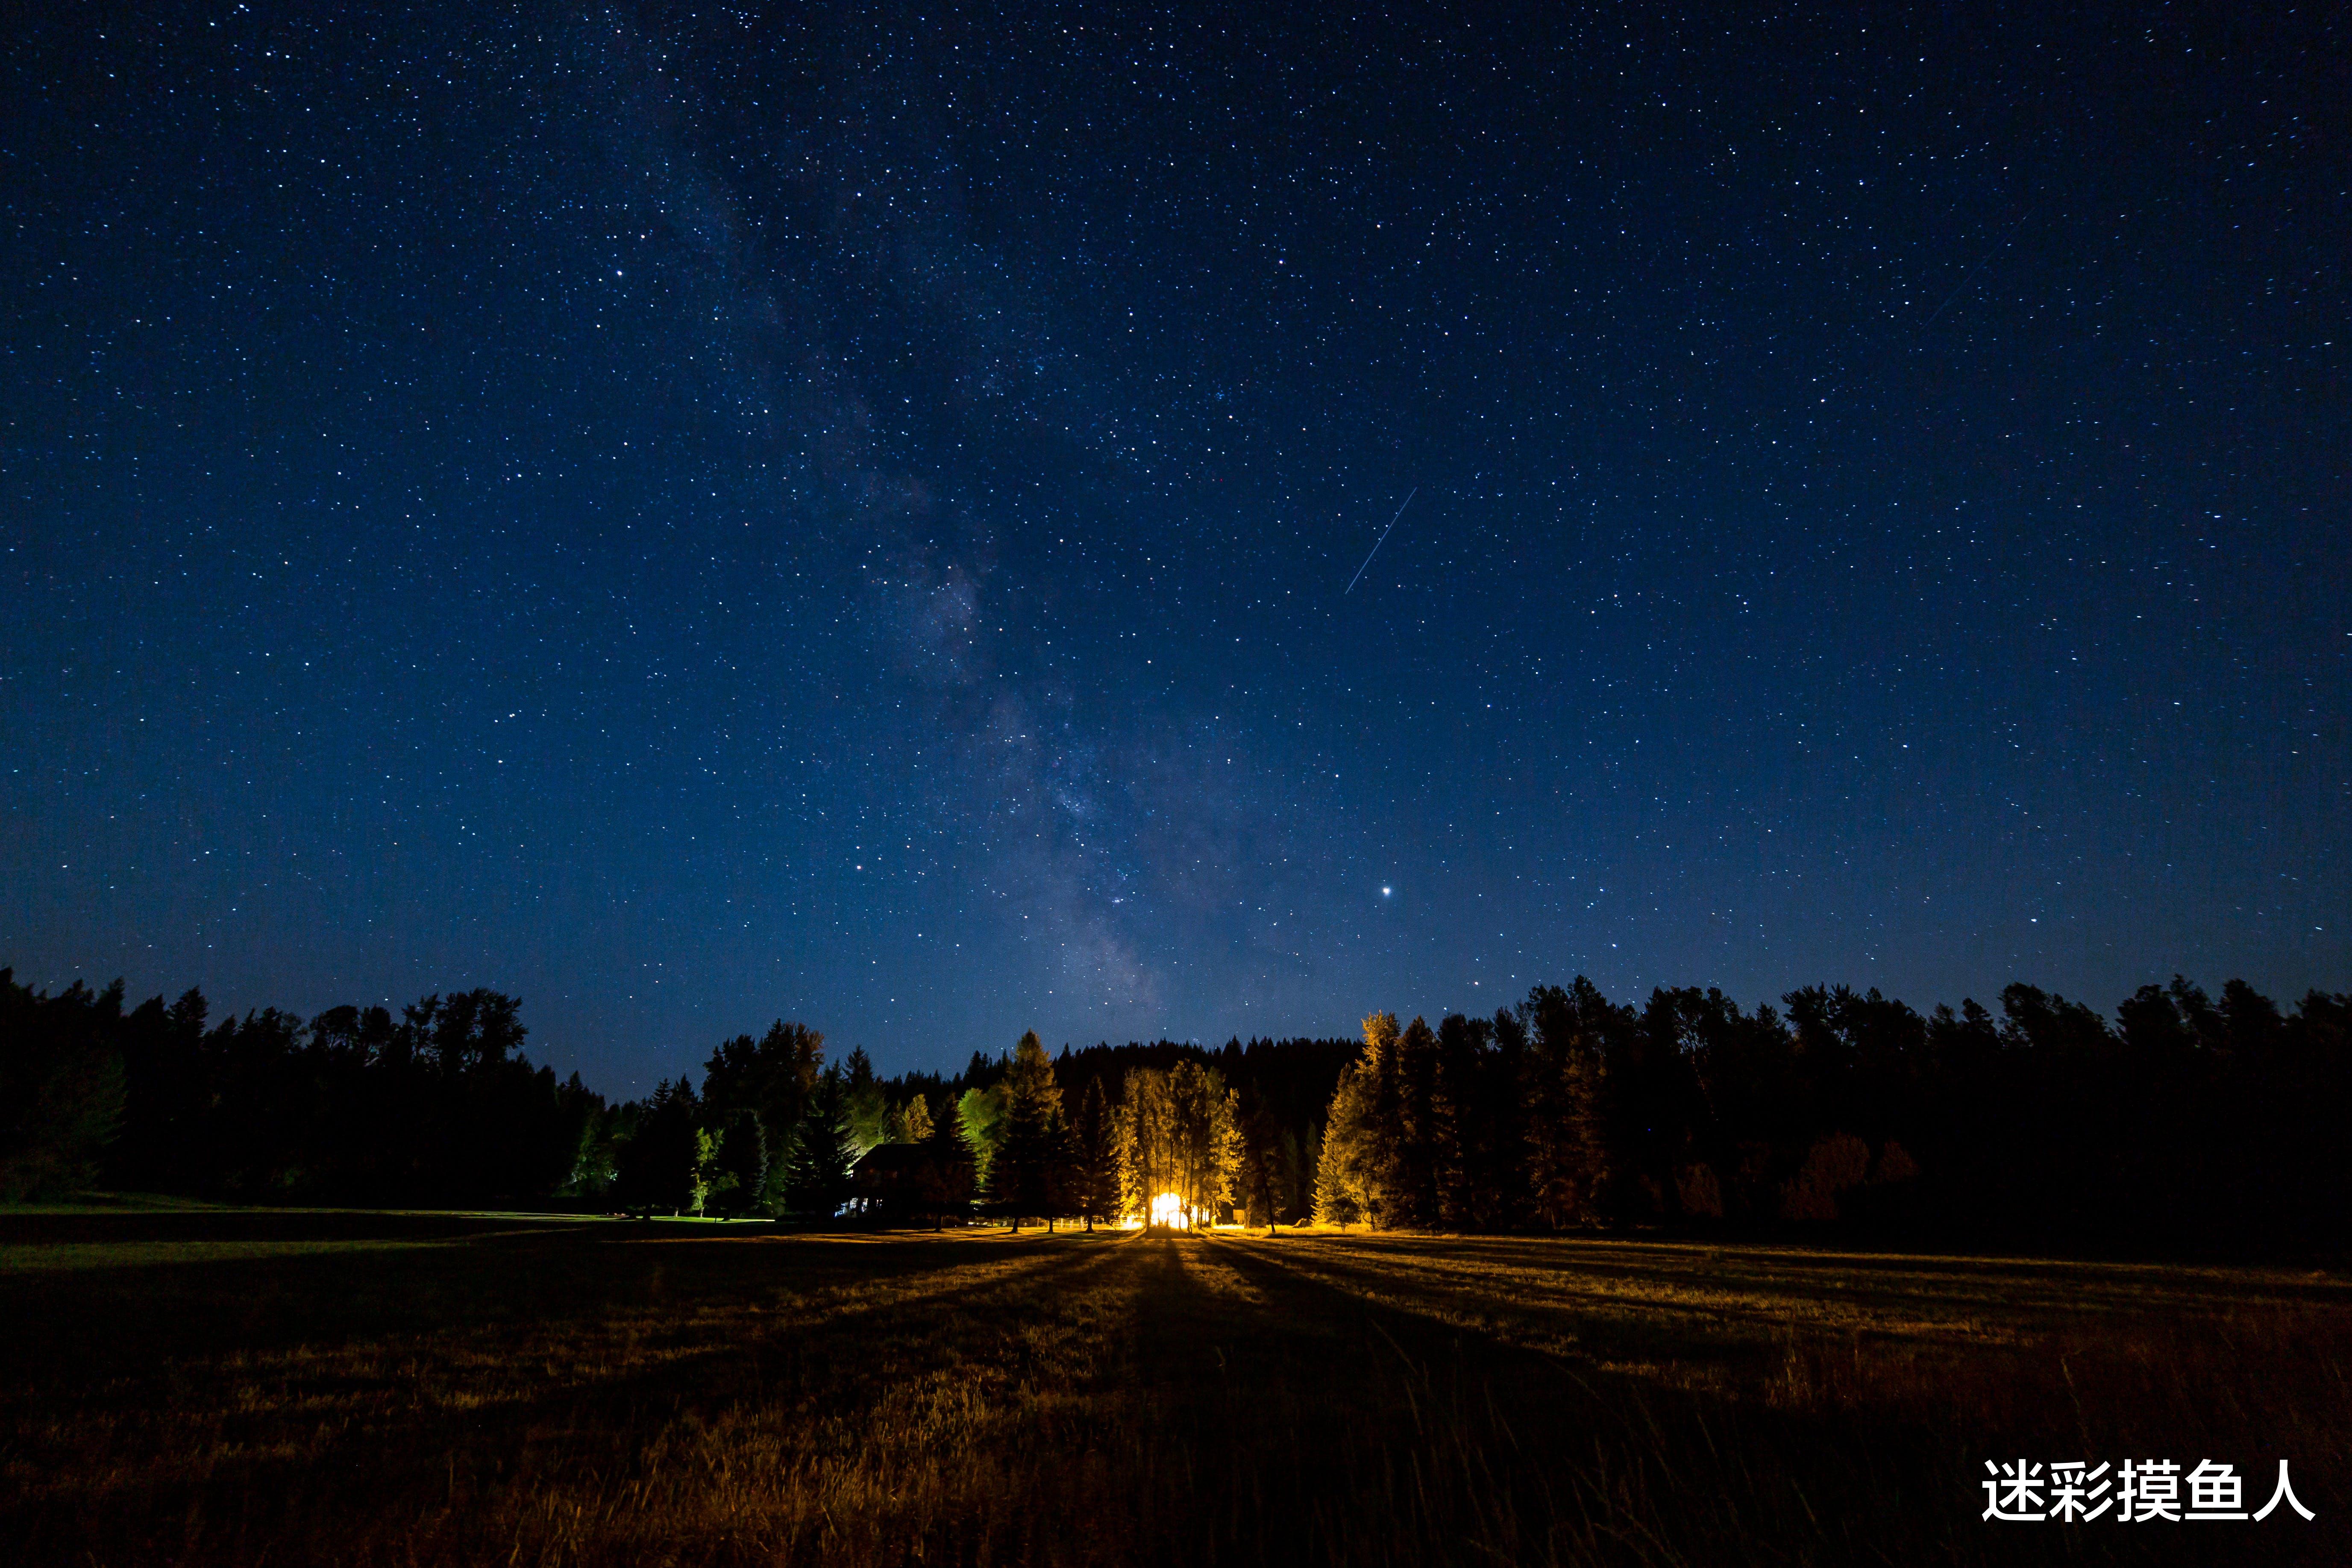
{"x": 696, "y": 516}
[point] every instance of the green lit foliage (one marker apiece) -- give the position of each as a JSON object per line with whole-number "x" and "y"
{"x": 866, "y": 1115}
{"x": 980, "y": 1121}
{"x": 777, "y": 1077}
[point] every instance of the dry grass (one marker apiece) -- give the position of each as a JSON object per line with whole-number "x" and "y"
{"x": 216, "y": 1388}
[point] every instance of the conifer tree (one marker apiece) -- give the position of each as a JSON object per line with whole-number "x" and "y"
{"x": 979, "y": 1121}
{"x": 1093, "y": 1156}
{"x": 1257, "y": 1181}
{"x": 823, "y": 1152}
{"x": 946, "y": 1176}
{"x": 1032, "y": 1129}
{"x": 1145, "y": 1159}
{"x": 659, "y": 1165}
{"x": 1412, "y": 1133}
{"x": 741, "y": 1168}
{"x": 1343, "y": 1167}
{"x": 1460, "y": 1059}
{"x": 864, "y": 1106}
{"x": 1337, "y": 1157}
{"x": 1204, "y": 1122}
{"x": 776, "y": 1076}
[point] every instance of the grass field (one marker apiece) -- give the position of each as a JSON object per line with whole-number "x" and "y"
{"x": 224, "y": 1387}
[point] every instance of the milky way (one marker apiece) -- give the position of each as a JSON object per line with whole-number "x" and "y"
{"x": 847, "y": 513}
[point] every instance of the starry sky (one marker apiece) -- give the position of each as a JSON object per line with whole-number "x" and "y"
{"x": 692, "y": 515}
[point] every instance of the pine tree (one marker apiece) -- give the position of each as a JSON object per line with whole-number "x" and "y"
{"x": 1033, "y": 1122}
{"x": 776, "y": 1076}
{"x": 1454, "y": 1127}
{"x": 1413, "y": 1136}
{"x": 658, "y": 1165}
{"x": 1375, "y": 1154}
{"x": 823, "y": 1152}
{"x": 1343, "y": 1163}
{"x": 1204, "y": 1145}
{"x": 1258, "y": 1178}
{"x": 979, "y": 1121}
{"x": 742, "y": 1169}
{"x": 865, "y": 1108}
{"x": 947, "y": 1179}
{"x": 1093, "y": 1156}
{"x": 1144, "y": 1139}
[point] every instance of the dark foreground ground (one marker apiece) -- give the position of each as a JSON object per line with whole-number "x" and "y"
{"x": 211, "y": 1386}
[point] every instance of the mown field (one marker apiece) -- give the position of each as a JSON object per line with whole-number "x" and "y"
{"x": 217, "y": 1386}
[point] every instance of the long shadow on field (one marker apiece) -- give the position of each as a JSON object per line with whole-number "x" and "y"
{"x": 443, "y": 1421}
{"x": 126, "y": 1225}
{"x": 1488, "y": 1450}
{"x": 88, "y": 1324}
{"x": 1893, "y": 1282}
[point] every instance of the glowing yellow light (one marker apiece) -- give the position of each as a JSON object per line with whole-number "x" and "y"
{"x": 1168, "y": 1209}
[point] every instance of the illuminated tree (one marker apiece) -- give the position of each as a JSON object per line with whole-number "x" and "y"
{"x": 1144, "y": 1136}
{"x": 980, "y": 1119}
{"x": 864, "y": 1106}
{"x": 776, "y": 1076}
{"x": 1359, "y": 1165}
{"x": 1343, "y": 1170}
{"x": 1204, "y": 1124}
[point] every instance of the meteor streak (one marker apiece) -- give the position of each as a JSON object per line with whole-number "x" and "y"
{"x": 1383, "y": 539}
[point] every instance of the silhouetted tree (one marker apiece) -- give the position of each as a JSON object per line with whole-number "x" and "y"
{"x": 61, "y": 1086}
{"x": 1094, "y": 1157}
{"x": 1024, "y": 1175}
{"x": 742, "y": 1163}
{"x": 823, "y": 1150}
{"x": 661, "y": 1164}
{"x": 1257, "y": 1174}
{"x": 948, "y": 1177}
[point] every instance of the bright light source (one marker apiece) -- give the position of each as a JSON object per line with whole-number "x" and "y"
{"x": 1168, "y": 1209}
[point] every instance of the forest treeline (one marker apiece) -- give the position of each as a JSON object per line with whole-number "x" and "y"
{"x": 2185, "y": 1119}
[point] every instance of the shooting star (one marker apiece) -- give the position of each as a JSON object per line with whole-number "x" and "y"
{"x": 1383, "y": 539}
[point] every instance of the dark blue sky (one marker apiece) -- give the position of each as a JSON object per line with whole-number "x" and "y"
{"x": 692, "y": 515}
